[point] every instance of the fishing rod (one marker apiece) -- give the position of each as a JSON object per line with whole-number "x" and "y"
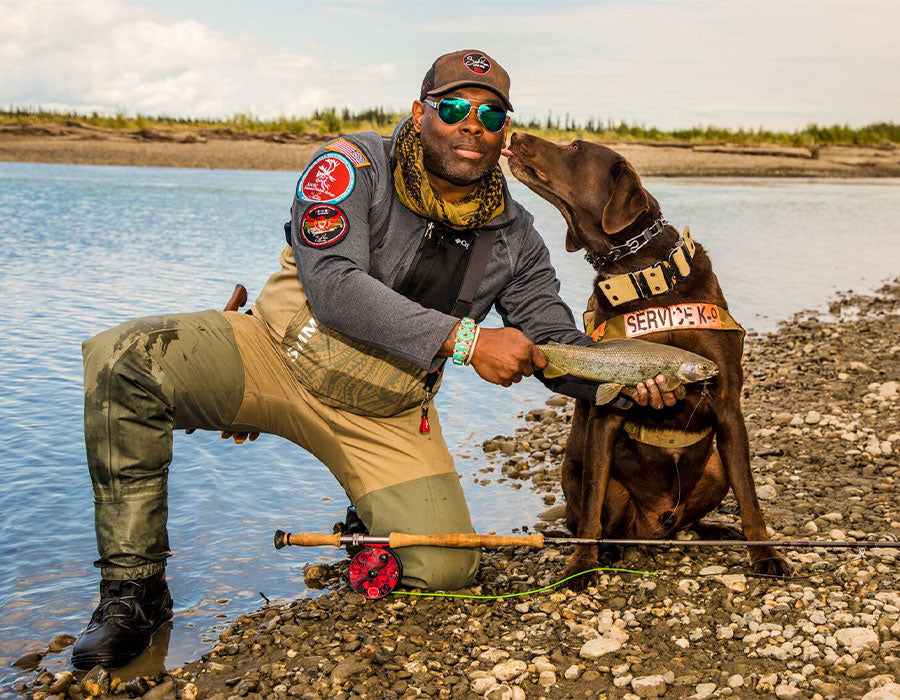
{"x": 376, "y": 570}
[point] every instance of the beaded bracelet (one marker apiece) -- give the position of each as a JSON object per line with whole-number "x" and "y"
{"x": 464, "y": 337}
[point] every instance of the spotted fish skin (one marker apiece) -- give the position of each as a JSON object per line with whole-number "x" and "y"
{"x": 626, "y": 362}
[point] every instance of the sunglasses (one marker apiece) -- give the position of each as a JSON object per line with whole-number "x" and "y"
{"x": 452, "y": 110}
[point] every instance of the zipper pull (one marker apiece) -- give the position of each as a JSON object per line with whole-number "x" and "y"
{"x": 424, "y": 425}
{"x": 428, "y": 230}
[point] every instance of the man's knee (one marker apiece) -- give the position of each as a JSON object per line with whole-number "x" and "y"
{"x": 432, "y": 504}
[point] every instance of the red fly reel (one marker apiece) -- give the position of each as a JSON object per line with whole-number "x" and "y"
{"x": 375, "y": 572}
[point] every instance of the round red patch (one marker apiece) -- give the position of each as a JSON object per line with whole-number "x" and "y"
{"x": 478, "y": 63}
{"x": 330, "y": 178}
{"x": 323, "y": 225}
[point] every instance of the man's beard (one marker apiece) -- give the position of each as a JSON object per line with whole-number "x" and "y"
{"x": 439, "y": 161}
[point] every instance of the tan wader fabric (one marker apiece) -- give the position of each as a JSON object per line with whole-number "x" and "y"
{"x": 217, "y": 370}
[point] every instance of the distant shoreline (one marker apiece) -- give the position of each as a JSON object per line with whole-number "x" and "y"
{"x": 223, "y": 149}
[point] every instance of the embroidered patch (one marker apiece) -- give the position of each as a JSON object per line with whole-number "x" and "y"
{"x": 329, "y": 179}
{"x": 323, "y": 225}
{"x": 478, "y": 63}
{"x": 343, "y": 146}
{"x": 672, "y": 318}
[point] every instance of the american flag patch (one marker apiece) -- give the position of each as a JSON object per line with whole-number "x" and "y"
{"x": 344, "y": 147}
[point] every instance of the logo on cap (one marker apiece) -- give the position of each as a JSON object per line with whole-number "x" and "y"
{"x": 477, "y": 63}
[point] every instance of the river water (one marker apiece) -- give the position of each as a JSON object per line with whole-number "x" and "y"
{"x": 87, "y": 247}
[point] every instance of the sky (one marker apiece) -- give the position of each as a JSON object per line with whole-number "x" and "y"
{"x": 778, "y": 64}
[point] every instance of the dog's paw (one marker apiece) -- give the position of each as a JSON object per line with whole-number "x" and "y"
{"x": 772, "y": 565}
{"x": 575, "y": 567}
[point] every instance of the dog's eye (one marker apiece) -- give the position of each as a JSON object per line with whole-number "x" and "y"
{"x": 574, "y": 146}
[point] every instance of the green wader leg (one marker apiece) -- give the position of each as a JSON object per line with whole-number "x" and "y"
{"x": 431, "y": 504}
{"x": 142, "y": 380}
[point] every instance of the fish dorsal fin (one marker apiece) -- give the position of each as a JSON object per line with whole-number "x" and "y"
{"x": 551, "y": 371}
{"x": 607, "y": 392}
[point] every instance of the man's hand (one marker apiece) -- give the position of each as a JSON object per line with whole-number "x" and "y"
{"x": 655, "y": 392}
{"x": 502, "y": 355}
{"x": 505, "y": 355}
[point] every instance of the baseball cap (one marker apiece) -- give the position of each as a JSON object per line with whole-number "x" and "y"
{"x": 468, "y": 67}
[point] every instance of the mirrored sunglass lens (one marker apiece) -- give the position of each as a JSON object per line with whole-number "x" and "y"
{"x": 492, "y": 117}
{"x": 453, "y": 110}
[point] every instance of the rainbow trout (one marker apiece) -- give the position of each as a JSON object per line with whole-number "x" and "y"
{"x": 622, "y": 362}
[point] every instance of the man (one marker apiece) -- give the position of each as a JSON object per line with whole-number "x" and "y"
{"x": 384, "y": 279}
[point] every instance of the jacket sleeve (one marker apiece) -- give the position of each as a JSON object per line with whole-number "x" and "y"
{"x": 345, "y": 297}
{"x": 531, "y": 303}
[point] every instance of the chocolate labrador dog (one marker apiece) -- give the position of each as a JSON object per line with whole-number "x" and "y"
{"x": 647, "y": 473}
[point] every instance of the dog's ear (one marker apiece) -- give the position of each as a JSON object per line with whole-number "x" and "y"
{"x": 627, "y": 201}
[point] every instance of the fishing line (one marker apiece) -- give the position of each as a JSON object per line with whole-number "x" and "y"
{"x": 516, "y": 595}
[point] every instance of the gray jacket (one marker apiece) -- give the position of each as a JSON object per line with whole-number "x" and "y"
{"x": 349, "y": 286}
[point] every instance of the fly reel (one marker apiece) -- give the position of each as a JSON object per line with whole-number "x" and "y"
{"x": 375, "y": 571}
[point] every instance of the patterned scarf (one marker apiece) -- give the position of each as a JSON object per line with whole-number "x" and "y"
{"x": 414, "y": 189}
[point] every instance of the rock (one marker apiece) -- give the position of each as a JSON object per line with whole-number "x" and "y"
{"x": 508, "y": 447}
{"x": 649, "y": 686}
{"x": 891, "y": 691}
{"x": 96, "y": 681}
{"x": 190, "y": 692}
{"x": 507, "y": 670}
{"x": 558, "y": 401}
{"x": 348, "y": 668}
{"x": 164, "y": 691}
{"x": 28, "y": 661}
{"x": 812, "y": 418}
{"x": 889, "y": 389}
{"x": 492, "y": 656}
{"x": 556, "y": 512}
{"x": 767, "y": 492}
{"x": 735, "y": 582}
{"x": 60, "y": 642}
{"x": 857, "y": 366}
{"x": 573, "y": 672}
{"x": 712, "y": 570}
{"x": 546, "y": 679}
{"x": 505, "y": 692}
{"x": 857, "y": 639}
{"x": 705, "y": 690}
{"x": 482, "y": 685}
{"x": 61, "y": 683}
{"x": 787, "y": 692}
{"x": 607, "y": 643}
{"x": 735, "y": 681}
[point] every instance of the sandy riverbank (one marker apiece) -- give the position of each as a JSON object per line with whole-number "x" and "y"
{"x": 221, "y": 148}
{"x": 822, "y": 404}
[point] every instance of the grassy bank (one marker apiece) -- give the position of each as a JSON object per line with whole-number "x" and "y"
{"x": 334, "y": 121}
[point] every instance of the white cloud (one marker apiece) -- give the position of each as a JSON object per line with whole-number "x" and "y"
{"x": 108, "y": 55}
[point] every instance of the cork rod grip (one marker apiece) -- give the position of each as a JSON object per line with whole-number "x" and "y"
{"x": 463, "y": 540}
{"x": 306, "y": 539}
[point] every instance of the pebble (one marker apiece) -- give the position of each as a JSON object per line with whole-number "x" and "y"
{"x": 857, "y": 639}
{"x": 60, "y": 642}
{"x": 649, "y": 686}
{"x": 509, "y": 669}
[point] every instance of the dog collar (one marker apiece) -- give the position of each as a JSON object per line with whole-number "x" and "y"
{"x": 660, "y": 278}
{"x": 632, "y": 245}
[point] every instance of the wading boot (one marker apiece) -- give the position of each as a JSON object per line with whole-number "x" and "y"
{"x": 123, "y": 623}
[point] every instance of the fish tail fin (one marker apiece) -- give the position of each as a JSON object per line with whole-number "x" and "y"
{"x": 607, "y": 392}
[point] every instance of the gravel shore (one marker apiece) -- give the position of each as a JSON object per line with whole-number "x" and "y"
{"x": 822, "y": 401}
